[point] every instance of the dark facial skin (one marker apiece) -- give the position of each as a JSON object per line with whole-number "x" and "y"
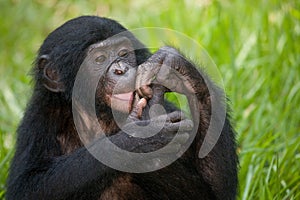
{"x": 116, "y": 59}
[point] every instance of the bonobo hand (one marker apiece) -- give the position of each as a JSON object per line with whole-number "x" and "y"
{"x": 169, "y": 68}
{"x": 156, "y": 131}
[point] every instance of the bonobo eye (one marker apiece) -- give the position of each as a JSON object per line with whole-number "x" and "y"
{"x": 100, "y": 59}
{"x": 123, "y": 53}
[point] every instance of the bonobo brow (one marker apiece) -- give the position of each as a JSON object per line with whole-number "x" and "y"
{"x": 114, "y": 41}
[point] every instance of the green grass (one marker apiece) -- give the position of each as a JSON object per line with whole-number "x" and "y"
{"x": 256, "y": 46}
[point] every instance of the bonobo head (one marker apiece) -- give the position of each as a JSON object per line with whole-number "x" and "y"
{"x": 115, "y": 58}
{"x": 65, "y": 49}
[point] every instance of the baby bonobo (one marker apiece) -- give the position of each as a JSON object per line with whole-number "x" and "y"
{"x": 52, "y": 161}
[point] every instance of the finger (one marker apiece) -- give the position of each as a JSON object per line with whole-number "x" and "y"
{"x": 145, "y": 74}
{"x": 186, "y": 125}
{"x": 158, "y": 92}
{"x": 171, "y": 148}
{"x": 175, "y": 116}
{"x": 181, "y": 138}
{"x": 178, "y": 127}
{"x": 138, "y": 109}
{"x": 145, "y": 92}
{"x": 140, "y": 106}
{"x": 170, "y": 129}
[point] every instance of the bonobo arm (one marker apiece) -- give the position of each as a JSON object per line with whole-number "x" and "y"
{"x": 35, "y": 175}
{"x": 39, "y": 171}
{"x": 171, "y": 69}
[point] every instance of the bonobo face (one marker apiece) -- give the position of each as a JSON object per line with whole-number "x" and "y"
{"x": 115, "y": 58}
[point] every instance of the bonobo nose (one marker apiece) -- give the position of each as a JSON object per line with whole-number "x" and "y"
{"x": 120, "y": 68}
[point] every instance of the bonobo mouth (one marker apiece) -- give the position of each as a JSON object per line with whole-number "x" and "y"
{"x": 122, "y": 102}
{"x": 124, "y": 96}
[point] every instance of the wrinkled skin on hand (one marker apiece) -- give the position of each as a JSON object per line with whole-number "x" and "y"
{"x": 170, "y": 124}
{"x": 168, "y": 68}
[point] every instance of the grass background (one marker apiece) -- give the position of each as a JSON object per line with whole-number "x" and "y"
{"x": 255, "y": 44}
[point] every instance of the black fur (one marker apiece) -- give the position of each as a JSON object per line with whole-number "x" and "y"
{"x": 50, "y": 162}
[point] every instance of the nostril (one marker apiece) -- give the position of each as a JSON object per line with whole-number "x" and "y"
{"x": 121, "y": 70}
{"x": 118, "y": 72}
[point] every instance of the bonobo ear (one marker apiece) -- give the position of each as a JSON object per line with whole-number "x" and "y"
{"x": 51, "y": 79}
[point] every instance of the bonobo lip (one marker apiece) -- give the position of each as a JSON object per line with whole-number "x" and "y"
{"x": 123, "y": 102}
{"x": 124, "y": 96}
